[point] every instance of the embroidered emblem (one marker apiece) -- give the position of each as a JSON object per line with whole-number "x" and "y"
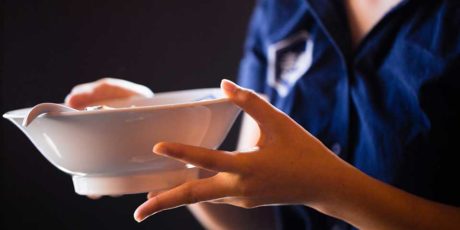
{"x": 288, "y": 60}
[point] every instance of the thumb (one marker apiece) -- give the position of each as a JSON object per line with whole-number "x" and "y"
{"x": 262, "y": 111}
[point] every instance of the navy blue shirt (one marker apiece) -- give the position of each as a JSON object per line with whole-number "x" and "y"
{"x": 389, "y": 106}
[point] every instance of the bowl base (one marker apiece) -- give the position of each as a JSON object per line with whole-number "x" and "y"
{"x": 134, "y": 183}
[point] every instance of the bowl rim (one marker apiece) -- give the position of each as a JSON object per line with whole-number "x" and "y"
{"x": 12, "y": 114}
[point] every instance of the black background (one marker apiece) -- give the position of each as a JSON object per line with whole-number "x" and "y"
{"x": 50, "y": 46}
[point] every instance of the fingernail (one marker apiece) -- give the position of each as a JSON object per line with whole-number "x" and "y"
{"x": 137, "y": 216}
{"x": 160, "y": 149}
{"x": 139, "y": 220}
{"x": 228, "y": 86}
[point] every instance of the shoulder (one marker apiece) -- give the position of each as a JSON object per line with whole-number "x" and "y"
{"x": 273, "y": 18}
{"x": 434, "y": 27}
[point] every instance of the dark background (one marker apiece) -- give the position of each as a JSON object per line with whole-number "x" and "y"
{"x": 50, "y": 46}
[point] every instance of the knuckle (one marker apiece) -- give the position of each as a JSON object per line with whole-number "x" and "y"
{"x": 245, "y": 189}
{"x": 248, "y": 96}
{"x": 159, "y": 202}
{"x": 191, "y": 194}
{"x": 151, "y": 195}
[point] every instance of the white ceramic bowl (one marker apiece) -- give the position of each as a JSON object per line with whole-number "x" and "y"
{"x": 110, "y": 151}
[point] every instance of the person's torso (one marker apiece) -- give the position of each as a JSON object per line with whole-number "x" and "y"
{"x": 387, "y": 107}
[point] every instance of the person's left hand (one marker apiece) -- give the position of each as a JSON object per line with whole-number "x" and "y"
{"x": 104, "y": 89}
{"x": 288, "y": 166}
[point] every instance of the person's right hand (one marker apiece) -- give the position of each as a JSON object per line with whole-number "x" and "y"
{"x": 104, "y": 89}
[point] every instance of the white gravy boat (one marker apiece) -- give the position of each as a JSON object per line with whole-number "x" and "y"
{"x": 109, "y": 152}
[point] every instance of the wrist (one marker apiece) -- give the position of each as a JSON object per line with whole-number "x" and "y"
{"x": 346, "y": 187}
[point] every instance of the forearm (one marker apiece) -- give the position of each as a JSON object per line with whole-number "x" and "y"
{"x": 370, "y": 204}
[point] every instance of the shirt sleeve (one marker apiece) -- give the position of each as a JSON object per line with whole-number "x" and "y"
{"x": 252, "y": 72}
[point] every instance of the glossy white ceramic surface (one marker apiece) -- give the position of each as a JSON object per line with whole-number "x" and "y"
{"x": 110, "y": 151}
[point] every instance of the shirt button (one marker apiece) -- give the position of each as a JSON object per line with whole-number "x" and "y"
{"x": 336, "y": 148}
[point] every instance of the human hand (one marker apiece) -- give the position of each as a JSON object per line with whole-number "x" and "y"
{"x": 104, "y": 89}
{"x": 288, "y": 165}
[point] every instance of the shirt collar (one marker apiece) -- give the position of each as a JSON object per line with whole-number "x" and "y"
{"x": 331, "y": 16}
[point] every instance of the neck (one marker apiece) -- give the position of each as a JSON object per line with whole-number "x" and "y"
{"x": 363, "y": 15}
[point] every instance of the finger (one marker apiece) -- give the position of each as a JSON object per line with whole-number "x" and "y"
{"x": 99, "y": 94}
{"x": 188, "y": 193}
{"x": 150, "y": 195}
{"x": 204, "y": 158}
{"x": 106, "y": 91}
{"x": 94, "y": 197}
{"x": 258, "y": 108}
{"x": 78, "y": 101}
{"x": 138, "y": 89}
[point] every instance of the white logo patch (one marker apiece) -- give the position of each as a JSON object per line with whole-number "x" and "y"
{"x": 288, "y": 60}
